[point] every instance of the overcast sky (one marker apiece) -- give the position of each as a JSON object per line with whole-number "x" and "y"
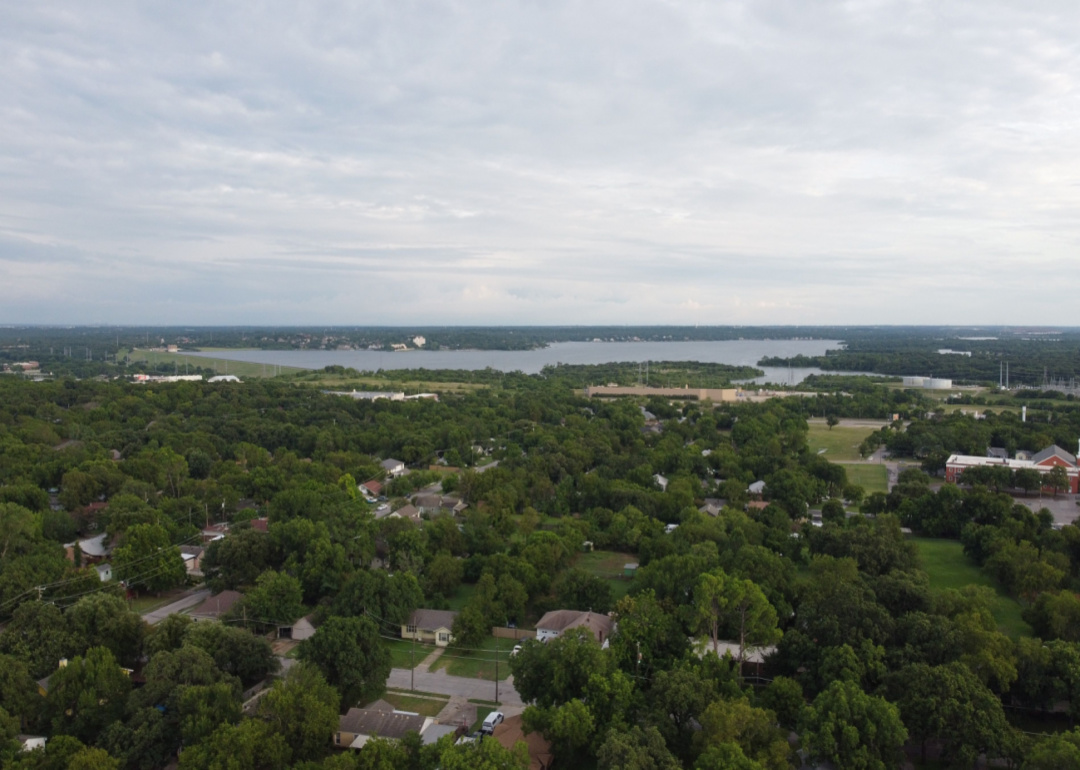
{"x": 771, "y": 161}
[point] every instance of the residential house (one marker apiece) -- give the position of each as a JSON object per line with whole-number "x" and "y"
{"x": 31, "y": 742}
{"x": 753, "y": 658}
{"x": 393, "y": 468}
{"x": 215, "y": 606}
{"x": 1001, "y": 453}
{"x": 712, "y": 506}
{"x": 511, "y": 730}
{"x": 558, "y": 622}
{"x": 371, "y": 489}
{"x": 358, "y": 726}
{"x": 261, "y": 524}
{"x": 298, "y": 631}
{"x": 430, "y": 626}
{"x": 410, "y": 512}
{"x": 192, "y": 556}
{"x": 757, "y": 488}
{"x": 215, "y": 532}
{"x": 94, "y": 549}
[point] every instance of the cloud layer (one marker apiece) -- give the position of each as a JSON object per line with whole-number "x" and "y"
{"x": 525, "y": 162}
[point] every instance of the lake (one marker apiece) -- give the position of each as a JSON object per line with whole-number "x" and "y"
{"x": 733, "y": 352}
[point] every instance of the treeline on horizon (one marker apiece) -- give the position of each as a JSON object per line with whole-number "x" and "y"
{"x": 1028, "y": 358}
{"x": 892, "y": 351}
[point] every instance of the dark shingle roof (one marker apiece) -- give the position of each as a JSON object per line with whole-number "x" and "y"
{"x": 429, "y": 620}
{"x": 382, "y": 723}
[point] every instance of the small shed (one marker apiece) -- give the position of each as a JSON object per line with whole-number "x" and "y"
{"x": 298, "y": 631}
{"x": 629, "y": 569}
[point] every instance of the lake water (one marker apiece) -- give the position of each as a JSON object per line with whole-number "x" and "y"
{"x": 733, "y": 352}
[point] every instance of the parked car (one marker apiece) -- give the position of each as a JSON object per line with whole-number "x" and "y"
{"x": 491, "y": 721}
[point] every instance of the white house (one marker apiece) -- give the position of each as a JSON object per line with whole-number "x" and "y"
{"x": 393, "y": 468}
{"x": 558, "y": 622}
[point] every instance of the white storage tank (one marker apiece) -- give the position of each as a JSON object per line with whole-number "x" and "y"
{"x": 936, "y": 383}
{"x": 914, "y": 382}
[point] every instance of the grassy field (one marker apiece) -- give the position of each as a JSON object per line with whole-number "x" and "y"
{"x": 461, "y": 597}
{"x": 400, "y": 650}
{"x": 607, "y": 565}
{"x": 873, "y": 477}
{"x": 944, "y": 561}
{"x": 241, "y": 369}
{"x": 840, "y": 443}
{"x": 425, "y": 707}
{"x": 479, "y": 664}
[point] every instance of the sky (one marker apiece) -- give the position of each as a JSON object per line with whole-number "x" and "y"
{"x": 540, "y": 162}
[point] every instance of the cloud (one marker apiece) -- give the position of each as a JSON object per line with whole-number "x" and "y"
{"x": 519, "y": 162}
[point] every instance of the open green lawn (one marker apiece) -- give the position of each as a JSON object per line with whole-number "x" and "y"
{"x": 479, "y": 664}
{"x": 607, "y": 565}
{"x": 425, "y": 707}
{"x": 461, "y": 597}
{"x": 839, "y": 443}
{"x": 400, "y": 651}
{"x": 220, "y": 365}
{"x": 944, "y": 561}
{"x": 873, "y": 477}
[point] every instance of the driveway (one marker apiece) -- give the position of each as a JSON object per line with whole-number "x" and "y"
{"x": 442, "y": 683}
{"x": 186, "y": 602}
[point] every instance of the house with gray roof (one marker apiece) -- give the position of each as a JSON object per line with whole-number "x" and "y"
{"x": 430, "y": 627}
{"x": 558, "y": 622}
{"x": 358, "y": 726}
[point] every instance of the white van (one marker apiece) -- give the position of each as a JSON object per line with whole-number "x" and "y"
{"x": 490, "y": 722}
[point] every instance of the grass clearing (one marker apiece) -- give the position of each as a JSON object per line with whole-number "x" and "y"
{"x": 461, "y": 597}
{"x": 608, "y": 566}
{"x": 478, "y": 664}
{"x": 873, "y": 477}
{"x": 944, "y": 561}
{"x": 183, "y": 362}
{"x": 425, "y": 707}
{"x": 402, "y": 655}
{"x": 839, "y": 443}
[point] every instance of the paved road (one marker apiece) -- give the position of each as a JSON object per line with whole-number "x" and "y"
{"x": 442, "y": 683}
{"x": 158, "y": 615}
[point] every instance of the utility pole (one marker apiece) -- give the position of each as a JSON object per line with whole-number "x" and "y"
{"x": 496, "y": 671}
{"x": 412, "y": 663}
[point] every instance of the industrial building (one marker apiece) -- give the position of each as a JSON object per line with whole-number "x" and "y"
{"x": 930, "y": 383}
{"x": 1043, "y": 462}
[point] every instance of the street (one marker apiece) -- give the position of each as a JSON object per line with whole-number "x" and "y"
{"x": 196, "y": 597}
{"x": 443, "y": 684}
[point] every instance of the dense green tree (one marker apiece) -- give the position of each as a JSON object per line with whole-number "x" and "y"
{"x": 146, "y": 559}
{"x": 86, "y": 695}
{"x": 201, "y": 709}
{"x": 727, "y": 603}
{"x": 303, "y": 709}
{"x": 250, "y": 745}
{"x": 276, "y": 600}
{"x": 949, "y": 705}
{"x": 236, "y": 651}
{"x": 635, "y": 749}
{"x": 851, "y": 729}
{"x": 753, "y": 730}
{"x": 351, "y": 656}
{"x": 104, "y": 620}
{"x": 576, "y": 589}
